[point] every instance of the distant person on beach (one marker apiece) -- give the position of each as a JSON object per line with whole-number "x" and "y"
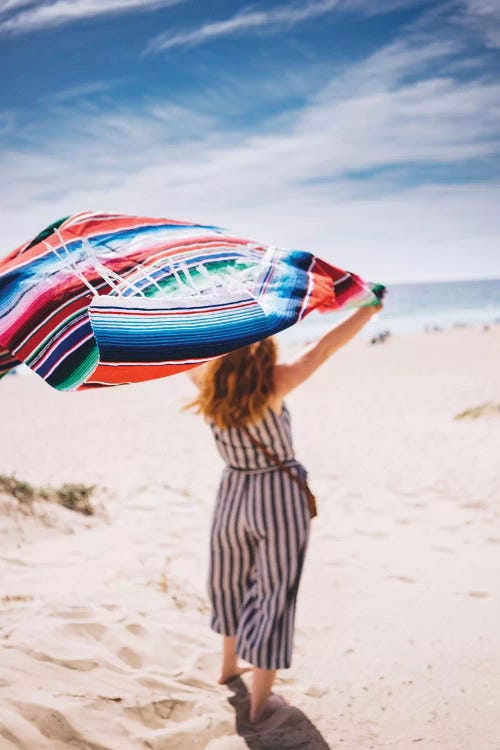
{"x": 262, "y": 515}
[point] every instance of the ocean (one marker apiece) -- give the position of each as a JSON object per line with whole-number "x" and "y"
{"x": 417, "y": 307}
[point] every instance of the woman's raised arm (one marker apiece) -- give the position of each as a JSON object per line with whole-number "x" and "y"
{"x": 289, "y": 376}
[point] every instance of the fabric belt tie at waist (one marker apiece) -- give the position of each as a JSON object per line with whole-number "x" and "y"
{"x": 264, "y": 469}
{"x": 286, "y": 467}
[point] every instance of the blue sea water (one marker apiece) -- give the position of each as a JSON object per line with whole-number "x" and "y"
{"x": 415, "y": 307}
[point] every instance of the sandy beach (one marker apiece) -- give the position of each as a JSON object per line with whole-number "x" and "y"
{"x": 104, "y": 638}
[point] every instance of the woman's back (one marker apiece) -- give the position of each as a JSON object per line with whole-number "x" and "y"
{"x": 261, "y": 520}
{"x": 273, "y": 430}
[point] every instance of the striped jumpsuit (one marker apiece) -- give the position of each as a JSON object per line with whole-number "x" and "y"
{"x": 259, "y": 537}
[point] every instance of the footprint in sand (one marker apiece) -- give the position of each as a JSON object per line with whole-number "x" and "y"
{"x": 155, "y": 713}
{"x": 316, "y": 692}
{"x": 88, "y": 630}
{"x": 137, "y": 629}
{"x": 73, "y": 613}
{"x": 195, "y": 733}
{"x": 50, "y": 723}
{"x": 194, "y": 681}
{"x": 130, "y": 657}
{"x": 82, "y": 664}
{"x": 152, "y": 683}
{"x": 19, "y": 733}
{"x": 478, "y": 594}
{"x": 10, "y": 737}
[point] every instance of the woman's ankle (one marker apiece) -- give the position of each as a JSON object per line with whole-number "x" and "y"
{"x": 263, "y": 680}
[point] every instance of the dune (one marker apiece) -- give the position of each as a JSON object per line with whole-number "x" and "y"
{"x": 104, "y": 638}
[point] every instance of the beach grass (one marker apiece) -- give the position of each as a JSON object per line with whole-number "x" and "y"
{"x": 76, "y": 497}
{"x": 482, "y": 410}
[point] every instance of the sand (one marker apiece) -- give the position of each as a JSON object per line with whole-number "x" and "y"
{"x": 104, "y": 638}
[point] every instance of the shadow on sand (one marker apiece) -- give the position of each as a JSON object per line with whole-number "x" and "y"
{"x": 296, "y": 732}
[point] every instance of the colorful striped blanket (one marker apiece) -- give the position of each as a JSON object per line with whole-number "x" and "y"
{"x": 103, "y": 299}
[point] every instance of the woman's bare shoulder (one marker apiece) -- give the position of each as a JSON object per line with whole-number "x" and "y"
{"x": 287, "y": 375}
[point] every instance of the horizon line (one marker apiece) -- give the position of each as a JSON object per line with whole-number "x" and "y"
{"x": 459, "y": 280}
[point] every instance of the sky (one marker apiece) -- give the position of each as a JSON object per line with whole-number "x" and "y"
{"x": 365, "y": 131}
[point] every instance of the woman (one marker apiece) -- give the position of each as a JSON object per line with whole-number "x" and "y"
{"x": 261, "y": 521}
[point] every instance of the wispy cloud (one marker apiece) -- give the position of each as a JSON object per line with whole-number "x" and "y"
{"x": 271, "y": 20}
{"x": 48, "y": 13}
{"x": 484, "y": 17}
{"x": 79, "y": 92}
{"x": 6, "y": 5}
{"x": 296, "y": 182}
{"x": 479, "y": 19}
{"x": 278, "y": 17}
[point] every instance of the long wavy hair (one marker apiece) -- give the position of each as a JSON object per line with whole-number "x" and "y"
{"x": 236, "y": 388}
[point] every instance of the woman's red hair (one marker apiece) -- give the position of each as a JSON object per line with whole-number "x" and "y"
{"x": 236, "y": 388}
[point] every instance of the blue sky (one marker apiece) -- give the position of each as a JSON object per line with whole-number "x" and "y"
{"x": 367, "y": 131}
